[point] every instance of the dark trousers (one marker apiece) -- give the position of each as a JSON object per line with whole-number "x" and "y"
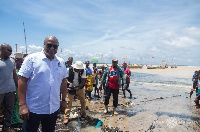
{"x": 115, "y": 93}
{"x": 48, "y": 122}
{"x": 8, "y": 100}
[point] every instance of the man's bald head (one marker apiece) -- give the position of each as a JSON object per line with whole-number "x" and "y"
{"x": 6, "y": 51}
{"x": 53, "y": 38}
{"x": 4, "y": 45}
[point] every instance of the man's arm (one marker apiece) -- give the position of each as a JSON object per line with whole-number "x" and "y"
{"x": 23, "y": 108}
{"x": 63, "y": 89}
{"x": 123, "y": 78}
{"x": 15, "y": 77}
{"x": 104, "y": 76}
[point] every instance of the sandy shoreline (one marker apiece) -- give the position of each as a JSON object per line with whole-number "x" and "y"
{"x": 152, "y": 108}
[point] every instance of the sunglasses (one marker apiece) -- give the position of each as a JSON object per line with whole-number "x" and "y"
{"x": 9, "y": 50}
{"x": 52, "y": 45}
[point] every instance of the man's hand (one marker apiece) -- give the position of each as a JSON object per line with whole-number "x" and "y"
{"x": 63, "y": 105}
{"x": 124, "y": 87}
{"x": 24, "y": 112}
{"x": 193, "y": 89}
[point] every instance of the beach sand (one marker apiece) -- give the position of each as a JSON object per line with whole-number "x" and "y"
{"x": 154, "y": 106}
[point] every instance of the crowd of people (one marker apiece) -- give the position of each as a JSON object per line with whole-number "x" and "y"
{"x": 35, "y": 88}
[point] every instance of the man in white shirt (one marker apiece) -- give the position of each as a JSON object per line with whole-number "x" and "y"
{"x": 41, "y": 78}
{"x": 77, "y": 76}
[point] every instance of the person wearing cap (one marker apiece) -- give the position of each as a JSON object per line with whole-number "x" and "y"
{"x": 113, "y": 76}
{"x": 41, "y": 78}
{"x": 127, "y": 73}
{"x": 77, "y": 79}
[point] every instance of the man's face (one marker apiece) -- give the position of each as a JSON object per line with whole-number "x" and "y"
{"x": 125, "y": 66}
{"x": 77, "y": 70}
{"x": 94, "y": 64}
{"x": 87, "y": 64}
{"x": 114, "y": 64}
{"x": 6, "y": 50}
{"x": 70, "y": 61}
{"x": 51, "y": 46}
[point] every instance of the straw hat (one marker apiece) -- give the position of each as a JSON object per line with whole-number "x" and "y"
{"x": 78, "y": 65}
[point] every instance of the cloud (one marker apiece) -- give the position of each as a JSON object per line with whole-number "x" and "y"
{"x": 181, "y": 42}
{"x": 186, "y": 37}
{"x": 66, "y": 53}
{"x": 192, "y": 32}
{"x": 114, "y": 28}
{"x": 128, "y": 48}
{"x": 154, "y": 49}
{"x": 30, "y": 49}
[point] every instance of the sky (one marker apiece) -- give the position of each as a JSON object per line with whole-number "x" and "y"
{"x": 144, "y": 31}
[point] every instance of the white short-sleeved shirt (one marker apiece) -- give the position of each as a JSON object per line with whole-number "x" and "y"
{"x": 43, "y": 86}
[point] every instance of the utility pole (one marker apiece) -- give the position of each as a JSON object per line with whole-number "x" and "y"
{"x": 25, "y": 37}
{"x": 16, "y": 48}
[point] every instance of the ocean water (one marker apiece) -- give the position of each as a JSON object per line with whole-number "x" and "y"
{"x": 159, "y": 80}
{"x": 161, "y": 98}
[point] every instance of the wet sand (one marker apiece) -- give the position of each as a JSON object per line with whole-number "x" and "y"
{"x": 153, "y": 107}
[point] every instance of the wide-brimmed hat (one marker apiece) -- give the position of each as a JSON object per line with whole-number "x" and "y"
{"x": 115, "y": 59}
{"x": 78, "y": 65}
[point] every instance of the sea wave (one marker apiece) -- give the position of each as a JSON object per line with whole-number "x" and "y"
{"x": 163, "y": 84}
{"x": 158, "y": 80}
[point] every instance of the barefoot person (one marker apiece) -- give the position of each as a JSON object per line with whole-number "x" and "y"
{"x": 41, "y": 78}
{"x": 127, "y": 73}
{"x": 113, "y": 76}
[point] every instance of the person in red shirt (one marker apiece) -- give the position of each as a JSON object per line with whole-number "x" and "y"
{"x": 113, "y": 76}
{"x": 127, "y": 73}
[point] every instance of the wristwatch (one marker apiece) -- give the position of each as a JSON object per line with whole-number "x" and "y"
{"x": 64, "y": 99}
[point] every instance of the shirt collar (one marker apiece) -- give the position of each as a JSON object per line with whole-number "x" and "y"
{"x": 44, "y": 56}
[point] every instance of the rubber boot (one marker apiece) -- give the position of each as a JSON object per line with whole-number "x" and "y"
{"x": 114, "y": 111}
{"x": 106, "y": 109}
